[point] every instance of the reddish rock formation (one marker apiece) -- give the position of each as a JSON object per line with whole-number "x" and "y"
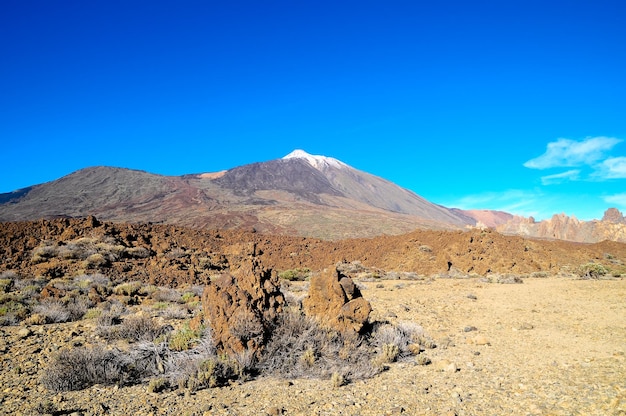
{"x": 242, "y": 307}
{"x": 165, "y": 255}
{"x": 335, "y": 301}
{"x": 614, "y": 215}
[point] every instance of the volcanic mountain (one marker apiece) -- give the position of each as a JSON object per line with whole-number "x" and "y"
{"x": 300, "y": 194}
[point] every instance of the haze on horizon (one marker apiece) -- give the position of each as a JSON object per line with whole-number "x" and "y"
{"x": 484, "y": 105}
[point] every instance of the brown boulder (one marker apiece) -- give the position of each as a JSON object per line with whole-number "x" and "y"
{"x": 52, "y": 292}
{"x": 241, "y": 308}
{"x": 336, "y": 302}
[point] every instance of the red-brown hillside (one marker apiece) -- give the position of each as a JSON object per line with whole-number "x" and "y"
{"x": 165, "y": 254}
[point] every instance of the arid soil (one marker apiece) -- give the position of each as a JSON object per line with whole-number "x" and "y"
{"x": 549, "y": 346}
{"x": 180, "y": 256}
{"x": 516, "y": 330}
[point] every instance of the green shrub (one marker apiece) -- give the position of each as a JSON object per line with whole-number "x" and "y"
{"x": 157, "y": 385}
{"x": 591, "y": 271}
{"x": 5, "y": 285}
{"x": 188, "y": 297}
{"x": 184, "y": 338}
{"x": 12, "y": 311}
{"x": 295, "y": 274}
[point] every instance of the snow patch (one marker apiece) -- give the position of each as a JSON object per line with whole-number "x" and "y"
{"x": 318, "y": 162}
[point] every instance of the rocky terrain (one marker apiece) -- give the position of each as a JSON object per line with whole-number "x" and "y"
{"x": 176, "y": 256}
{"x": 448, "y": 322}
{"x": 548, "y": 346}
{"x": 612, "y": 227}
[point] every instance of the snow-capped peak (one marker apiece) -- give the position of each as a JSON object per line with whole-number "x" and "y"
{"x": 318, "y": 162}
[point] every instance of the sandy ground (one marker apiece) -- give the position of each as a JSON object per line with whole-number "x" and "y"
{"x": 550, "y": 346}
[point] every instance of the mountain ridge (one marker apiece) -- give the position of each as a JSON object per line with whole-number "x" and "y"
{"x": 299, "y": 194}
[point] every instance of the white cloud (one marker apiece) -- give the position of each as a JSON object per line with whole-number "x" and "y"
{"x": 538, "y": 204}
{"x": 617, "y": 199}
{"x": 571, "y": 175}
{"x": 515, "y": 201}
{"x": 567, "y": 153}
{"x": 612, "y": 168}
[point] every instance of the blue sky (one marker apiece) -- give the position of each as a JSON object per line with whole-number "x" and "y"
{"x": 511, "y": 105}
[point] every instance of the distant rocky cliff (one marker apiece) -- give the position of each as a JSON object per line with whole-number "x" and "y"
{"x": 612, "y": 227}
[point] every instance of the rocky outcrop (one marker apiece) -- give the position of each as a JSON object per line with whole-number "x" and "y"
{"x": 613, "y": 215}
{"x": 336, "y": 302}
{"x": 242, "y": 307}
{"x": 612, "y": 227}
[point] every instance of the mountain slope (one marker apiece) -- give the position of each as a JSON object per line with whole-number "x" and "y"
{"x": 300, "y": 194}
{"x": 84, "y": 192}
{"x": 378, "y": 192}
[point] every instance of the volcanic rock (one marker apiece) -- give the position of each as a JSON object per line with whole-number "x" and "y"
{"x": 614, "y": 215}
{"x": 242, "y": 307}
{"x": 336, "y": 302}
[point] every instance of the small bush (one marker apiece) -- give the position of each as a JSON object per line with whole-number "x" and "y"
{"x": 79, "y": 368}
{"x": 44, "y": 253}
{"x": 591, "y": 271}
{"x": 398, "y": 341}
{"x": 128, "y": 288}
{"x": 138, "y": 252}
{"x": 6, "y": 284}
{"x": 110, "y": 315}
{"x": 53, "y": 310}
{"x": 166, "y": 295}
{"x": 421, "y": 359}
{"x": 188, "y": 297}
{"x": 337, "y": 380}
{"x": 295, "y": 274}
{"x": 175, "y": 312}
{"x": 12, "y": 311}
{"x": 184, "y": 338}
{"x": 297, "y": 339}
{"x": 95, "y": 261}
{"x": 308, "y": 357}
{"x": 217, "y": 371}
{"x": 133, "y": 329}
{"x": 157, "y": 385}
{"x": 92, "y": 313}
{"x": 390, "y": 353}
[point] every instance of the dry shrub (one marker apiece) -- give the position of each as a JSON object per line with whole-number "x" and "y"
{"x": 201, "y": 366}
{"x": 76, "y": 369}
{"x": 166, "y": 295}
{"x": 53, "y": 310}
{"x": 138, "y": 252}
{"x": 79, "y": 368}
{"x": 131, "y": 328}
{"x": 300, "y": 347}
{"x": 44, "y": 252}
{"x": 128, "y": 288}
